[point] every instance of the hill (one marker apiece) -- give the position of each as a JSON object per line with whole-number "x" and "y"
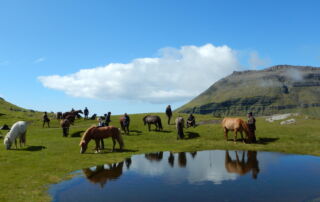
{"x": 278, "y": 89}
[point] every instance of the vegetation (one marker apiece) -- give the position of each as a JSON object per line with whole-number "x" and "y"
{"x": 48, "y": 158}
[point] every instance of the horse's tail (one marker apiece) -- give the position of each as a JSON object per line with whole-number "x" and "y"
{"x": 120, "y": 139}
{"x": 160, "y": 124}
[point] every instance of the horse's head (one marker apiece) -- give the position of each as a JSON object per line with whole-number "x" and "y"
{"x": 7, "y": 142}
{"x": 83, "y": 146}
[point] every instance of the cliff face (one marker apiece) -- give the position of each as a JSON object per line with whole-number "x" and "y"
{"x": 281, "y": 88}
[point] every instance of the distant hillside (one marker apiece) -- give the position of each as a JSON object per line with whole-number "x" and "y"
{"x": 278, "y": 89}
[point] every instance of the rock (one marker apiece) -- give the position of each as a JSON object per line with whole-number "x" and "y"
{"x": 287, "y": 122}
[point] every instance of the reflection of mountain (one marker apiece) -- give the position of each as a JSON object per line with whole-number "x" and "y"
{"x": 101, "y": 175}
{"x": 241, "y": 167}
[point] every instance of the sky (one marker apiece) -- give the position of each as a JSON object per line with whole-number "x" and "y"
{"x": 138, "y": 56}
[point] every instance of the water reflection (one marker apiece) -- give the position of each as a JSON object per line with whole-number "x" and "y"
{"x": 243, "y": 166}
{"x": 213, "y": 174}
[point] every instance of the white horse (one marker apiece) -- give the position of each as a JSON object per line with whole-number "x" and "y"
{"x": 18, "y": 130}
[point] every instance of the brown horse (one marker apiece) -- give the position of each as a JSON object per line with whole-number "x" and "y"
{"x": 65, "y": 125}
{"x": 241, "y": 167}
{"x": 236, "y": 125}
{"x": 124, "y": 123}
{"x": 98, "y": 133}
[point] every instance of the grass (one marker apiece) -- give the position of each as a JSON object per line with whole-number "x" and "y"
{"x": 27, "y": 173}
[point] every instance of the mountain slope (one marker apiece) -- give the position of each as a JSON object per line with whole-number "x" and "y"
{"x": 282, "y": 88}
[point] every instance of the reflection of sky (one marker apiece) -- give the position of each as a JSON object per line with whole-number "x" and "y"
{"x": 206, "y": 166}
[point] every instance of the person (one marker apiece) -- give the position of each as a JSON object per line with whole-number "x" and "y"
{"x": 169, "y": 113}
{"x": 126, "y": 119}
{"x": 101, "y": 123}
{"x": 86, "y": 113}
{"x": 191, "y": 121}
{"x": 46, "y": 120}
{"x": 252, "y": 126}
{"x": 108, "y": 118}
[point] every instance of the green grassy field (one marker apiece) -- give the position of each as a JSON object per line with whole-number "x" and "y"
{"x": 26, "y": 174}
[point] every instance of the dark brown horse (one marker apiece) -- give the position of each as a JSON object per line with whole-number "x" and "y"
{"x": 125, "y": 123}
{"x": 72, "y": 113}
{"x": 65, "y": 125}
{"x": 98, "y": 133}
{"x": 59, "y": 115}
{"x": 241, "y": 167}
{"x": 101, "y": 175}
{"x": 180, "y": 126}
{"x": 152, "y": 119}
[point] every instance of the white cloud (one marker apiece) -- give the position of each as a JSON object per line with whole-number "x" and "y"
{"x": 177, "y": 75}
{"x": 256, "y": 61}
{"x": 39, "y": 60}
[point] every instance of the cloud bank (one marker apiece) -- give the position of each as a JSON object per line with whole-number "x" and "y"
{"x": 176, "y": 75}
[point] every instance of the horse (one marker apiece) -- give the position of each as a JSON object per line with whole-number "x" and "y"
{"x": 18, "y": 130}
{"x": 241, "y": 167}
{"x": 236, "y": 125}
{"x": 180, "y": 126}
{"x": 65, "y": 125}
{"x": 73, "y": 113}
{"x": 98, "y": 133}
{"x": 152, "y": 119}
{"x": 124, "y": 123}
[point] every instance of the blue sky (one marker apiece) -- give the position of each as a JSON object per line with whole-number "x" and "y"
{"x": 40, "y": 39}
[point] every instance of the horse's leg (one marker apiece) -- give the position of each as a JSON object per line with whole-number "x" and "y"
{"x": 149, "y": 126}
{"x": 242, "y": 136}
{"x": 15, "y": 142}
{"x": 97, "y": 145}
{"x": 102, "y": 144}
{"x": 114, "y": 143}
{"x": 226, "y": 133}
{"x": 235, "y": 135}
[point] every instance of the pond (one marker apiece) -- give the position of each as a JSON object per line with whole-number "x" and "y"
{"x": 197, "y": 176}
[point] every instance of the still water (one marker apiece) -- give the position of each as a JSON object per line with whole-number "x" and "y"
{"x": 197, "y": 176}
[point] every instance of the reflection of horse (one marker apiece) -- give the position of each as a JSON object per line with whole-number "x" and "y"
{"x": 152, "y": 119}
{"x": 124, "y": 123}
{"x": 98, "y": 133}
{"x": 171, "y": 159}
{"x": 182, "y": 159}
{"x": 18, "y": 130}
{"x": 101, "y": 175}
{"x": 241, "y": 167}
{"x": 180, "y": 126}
{"x": 65, "y": 125}
{"x": 236, "y": 125}
{"x": 157, "y": 156}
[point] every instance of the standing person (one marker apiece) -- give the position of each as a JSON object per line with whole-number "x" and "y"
{"x": 252, "y": 126}
{"x": 108, "y": 118}
{"x": 46, "y": 120}
{"x": 86, "y": 113}
{"x": 126, "y": 123}
{"x": 169, "y": 113}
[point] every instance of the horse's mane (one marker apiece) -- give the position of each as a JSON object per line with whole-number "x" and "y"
{"x": 85, "y": 134}
{"x": 244, "y": 126}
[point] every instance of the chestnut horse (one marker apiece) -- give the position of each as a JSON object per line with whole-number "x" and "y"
{"x": 98, "y": 133}
{"x": 65, "y": 125}
{"x": 236, "y": 125}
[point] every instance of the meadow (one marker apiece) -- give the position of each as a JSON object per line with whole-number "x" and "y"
{"x": 27, "y": 173}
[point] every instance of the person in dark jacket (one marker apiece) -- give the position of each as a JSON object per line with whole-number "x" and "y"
{"x": 252, "y": 126}
{"x": 108, "y": 118}
{"x": 169, "y": 113}
{"x": 86, "y": 113}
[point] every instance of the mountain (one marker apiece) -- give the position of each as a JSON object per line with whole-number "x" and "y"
{"x": 277, "y": 89}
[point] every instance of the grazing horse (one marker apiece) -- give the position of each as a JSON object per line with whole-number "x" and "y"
{"x": 98, "y": 133}
{"x": 241, "y": 167}
{"x": 124, "y": 123}
{"x": 18, "y": 130}
{"x": 65, "y": 125}
{"x": 73, "y": 113}
{"x": 152, "y": 119}
{"x": 180, "y": 126}
{"x": 236, "y": 125}
{"x": 104, "y": 173}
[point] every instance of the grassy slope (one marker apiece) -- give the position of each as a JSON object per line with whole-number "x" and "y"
{"x": 28, "y": 172}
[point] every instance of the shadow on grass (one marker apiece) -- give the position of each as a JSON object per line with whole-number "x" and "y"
{"x": 77, "y": 134}
{"x": 136, "y": 132}
{"x": 31, "y": 148}
{"x": 165, "y": 131}
{"x": 191, "y": 135}
{"x": 266, "y": 140}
